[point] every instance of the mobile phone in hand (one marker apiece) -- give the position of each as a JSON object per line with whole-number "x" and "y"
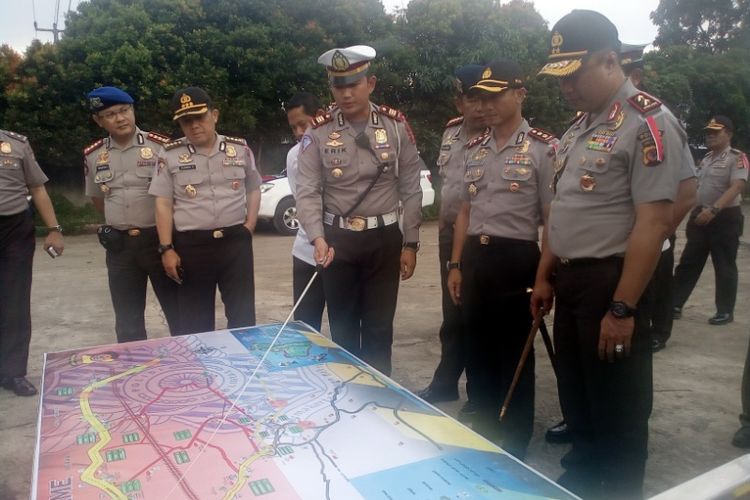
{"x": 52, "y": 252}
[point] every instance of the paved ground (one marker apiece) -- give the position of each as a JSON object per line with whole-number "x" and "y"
{"x": 697, "y": 378}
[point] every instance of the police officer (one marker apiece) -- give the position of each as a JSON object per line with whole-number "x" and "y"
{"x": 20, "y": 176}
{"x": 716, "y": 223}
{"x": 458, "y": 132}
{"x": 495, "y": 252}
{"x": 207, "y": 197}
{"x": 358, "y": 163}
{"x": 300, "y": 110}
{"x": 617, "y": 171}
{"x": 118, "y": 171}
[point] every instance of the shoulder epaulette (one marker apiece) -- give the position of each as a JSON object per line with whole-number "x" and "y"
{"x": 157, "y": 137}
{"x": 319, "y": 120}
{"x": 541, "y": 135}
{"x": 399, "y": 117}
{"x": 644, "y": 103}
{"x": 481, "y": 138}
{"x": 235, "y": 140}
{"x": 174, "y": 144}
{"x": 454, "y": 121}
{"x": 91, "y": 147}
{"x": 14, "y": 135}
{"x": 577, "y": 118}
{"x": 742, "y": 162}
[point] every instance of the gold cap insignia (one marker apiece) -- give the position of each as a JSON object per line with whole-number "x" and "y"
{"x": 557, "y": 41}
{"x": 339, "y": 62}
{"x": 486, "y": 73}
{"x": 186, "y": 101}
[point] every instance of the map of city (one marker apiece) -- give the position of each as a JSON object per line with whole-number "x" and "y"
{"x": 195, "y": 417}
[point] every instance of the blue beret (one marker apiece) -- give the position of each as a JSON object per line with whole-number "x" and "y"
{"x": 104, "y": 97}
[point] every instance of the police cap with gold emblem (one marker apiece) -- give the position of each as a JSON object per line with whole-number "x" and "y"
{"x": 575, "y": 36}
{"x": 720, "y": 122}
{"x": 104, "y": 97}
{"x": 190, "y": 101}
{"x": 500, "y": 75}
{"x": 631, "y": 56}
{"x": 467, "y": 76}
{"x": 346, "y": 66}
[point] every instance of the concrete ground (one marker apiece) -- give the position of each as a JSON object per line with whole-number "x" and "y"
{"x": 696, "y": 379}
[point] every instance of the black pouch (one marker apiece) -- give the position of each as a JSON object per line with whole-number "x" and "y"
{"x": 110, "y": 239}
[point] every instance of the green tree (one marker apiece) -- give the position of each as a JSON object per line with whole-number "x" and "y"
{"x": 712, "y": 25}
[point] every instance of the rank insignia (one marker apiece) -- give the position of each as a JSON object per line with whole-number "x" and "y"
{"x": 184, "y": 158}
{"x": 235, "y": 185}
{"x": 104, "y": 188}
{"x": 602, "y": 140}
{"x": 334, "y": 135}
{"x": 231, "y": 152}
{"x": 614, "y": 111}
{"x": 337, "y": 172}
{"x": 617, "y": 123}
{"x": 103, "y": 158}
{"x": 473, "y": 189}
{"x": 381, "y": 136}
{"x": 588, "y": 183}
{"x": 480, "y": 155}
{"x": 5, "y": 148}
{"x": 514, "y": 187}
{"x": 334, "y": 143}
{"x": 191, "y": 191}
{"x": 147, "y": 153}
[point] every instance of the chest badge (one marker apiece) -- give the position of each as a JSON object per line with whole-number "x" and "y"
{"x": 618, "y": 121}
{"x": 103, "y": 158}
{"x": 191, "y": 191}
{"x": 588, "y": 183}
{"x": 5, "y": 148}
{"x": 480, "y": 155}
{"x": 184, "y": 158}
{"x": 235, "y": 185}
{"x": 104, "y": 188}
{"x": 381, "y": 136}
{"x": 231, "y": 152}
{"x": 147, "y": 153}
{"x": 337, "y": 172}
{"x": 524, "y": 147}
{"x": 514, "y": 187}
{"x": 333, "y": 140}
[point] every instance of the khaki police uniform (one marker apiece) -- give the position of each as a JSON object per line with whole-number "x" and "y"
{"x": 333, "y": 172}
{"x": 209, "y": 194}
{"x": 720, "y": 238}
{"x": 121, "y": 176}
{"x": 631, "y": 153}
{"x": 19, "y": 171}
{"x": 507, "y": 186}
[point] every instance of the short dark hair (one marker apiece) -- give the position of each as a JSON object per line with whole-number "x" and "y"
{"x": 305, "y": 99}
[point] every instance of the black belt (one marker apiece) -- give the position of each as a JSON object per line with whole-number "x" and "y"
{"x": 212, "y": 234}
{"x": 485, "y": 239}
{"x": 587, "y": 261}
{"x": 137, "y": 231}
{"x": 24, "y": 212}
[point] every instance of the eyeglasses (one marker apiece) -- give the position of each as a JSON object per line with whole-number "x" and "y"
{"x": 112, "y": 114}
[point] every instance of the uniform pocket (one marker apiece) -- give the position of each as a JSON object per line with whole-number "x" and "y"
{"x": 185, "y": 178}
{"x": 233, "y": 173}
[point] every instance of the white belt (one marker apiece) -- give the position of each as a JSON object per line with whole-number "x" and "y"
{"x": 359, "y": 223}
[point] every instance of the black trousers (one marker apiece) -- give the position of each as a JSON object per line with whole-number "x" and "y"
{"x": 720, "y": 238}
{"x": 208, "y": 262}
{"x": 361, "y": 289}
{"x": 16, "y": 261}
{"x": 658, "y": 298}
{"x": 606, "y": 405}
{"x": 497, "y": 321}
{"x": 129, "y": 272}
{"x": 745, "y": 415}
{"x": 310, "y": 310}
{"x": 452, "y": 340}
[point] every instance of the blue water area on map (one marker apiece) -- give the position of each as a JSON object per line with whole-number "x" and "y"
{"x": 291, "y": 350}
{"x": 461, "y": 474}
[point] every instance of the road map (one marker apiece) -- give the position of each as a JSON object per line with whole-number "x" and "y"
{"x": 195, "y": 417}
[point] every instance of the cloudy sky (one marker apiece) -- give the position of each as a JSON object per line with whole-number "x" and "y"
{"x": 631, "y": 17}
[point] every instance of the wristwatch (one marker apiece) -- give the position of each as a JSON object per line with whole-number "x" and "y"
{"x": 620, "y": 309}
{"x": 164, "y": 248}
{"x": 57, "y": 228}
{"x": 715, "y": 210}
{"x": 453, "y": 265}
{"x": 413, "y": 245}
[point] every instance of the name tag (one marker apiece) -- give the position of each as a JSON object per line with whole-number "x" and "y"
{"x": 187, "y": 167}
{"x": 99, "y": 168}
{"x": 233, "y": 163}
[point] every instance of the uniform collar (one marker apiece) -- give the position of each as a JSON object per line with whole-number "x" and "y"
{"x": 138, "y": 139}
{"x": 374, "y": 120}
{"x": 515, "y": 140}
{"x": 720, "y": 154}
{"x": 619, "y": 100}
{"x": 218, "y": 146}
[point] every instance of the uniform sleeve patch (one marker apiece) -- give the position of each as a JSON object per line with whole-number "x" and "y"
{"x": 653, "y": 146}
{"x": 742, "y": 161}
{"x": 542, "y": 135}
{"x": 305, "y": 143}
{"x": 644, "y": 102}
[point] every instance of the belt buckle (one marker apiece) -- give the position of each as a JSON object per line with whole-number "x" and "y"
{"x": 484, "y": 239}
{"x": 564, "y": 261}
{"x": 217, "y": 234}
{"x": 356, "y": 223}
{"x": 134, "y": 232}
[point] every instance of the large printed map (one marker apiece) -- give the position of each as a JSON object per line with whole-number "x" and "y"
{"x": 195, "y": 417}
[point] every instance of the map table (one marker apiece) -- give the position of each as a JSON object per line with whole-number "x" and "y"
{"x": 196, "y": 417}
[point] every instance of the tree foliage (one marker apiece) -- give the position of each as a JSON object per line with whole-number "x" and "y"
{"x": 712, "y": 25}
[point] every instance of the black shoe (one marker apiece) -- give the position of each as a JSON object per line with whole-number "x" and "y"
{"x": 558, "y": 433}
{"x": 468, "y": 412}
{"x": 435, "y": 395}
{"x": 19, "y": 385}
{"x": 657, "y": 345}
{"x": 741, "y": 438}
{"x": 676, "y": 312}
{"x": 721, "y": 319}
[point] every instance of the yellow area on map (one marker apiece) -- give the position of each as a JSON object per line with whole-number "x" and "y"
{"x": 243, "y": 475}
{"x": 346, "y": 372}
{"x": 439, "y": 428}
{"x": 88, "y": 475}
{"x": 319, "y": 339}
